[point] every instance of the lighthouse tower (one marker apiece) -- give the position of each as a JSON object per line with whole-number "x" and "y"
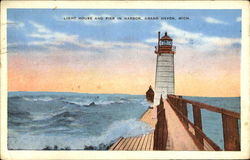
{"x": 164, "y": 76}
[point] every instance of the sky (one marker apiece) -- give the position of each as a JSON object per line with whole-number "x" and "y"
{"x": 47, "y": 51}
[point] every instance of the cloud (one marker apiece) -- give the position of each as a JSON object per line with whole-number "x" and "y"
{"x": 91, "y": 53}
{"x": 183, "y": 39}
{"x": 40, "y": 28}
{"x": 116, "y": 57}
{"x": 204, "y": 56}
{"x": 198, "y": 55}
{"x": 47, "y": 37}
{"x": 214, "y": 20}
{"x": 111, "y": 45}
{"x": 196, "y": 40}
{"x": 151, "y": 40}
{"x": 238, "y": 19}
{"x": 16, "y": 24}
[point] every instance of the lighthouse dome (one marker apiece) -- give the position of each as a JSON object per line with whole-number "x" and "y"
{"x": 165, "y": 44}
{"x": 166, "y": 37}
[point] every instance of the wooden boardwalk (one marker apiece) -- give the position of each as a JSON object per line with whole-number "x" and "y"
{"x": 138, "y": 143}
{"x": 149, "y": 117}
{"x": 178, "y": 137}
{"x": 174, "y": 131}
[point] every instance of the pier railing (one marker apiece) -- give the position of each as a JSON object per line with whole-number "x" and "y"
{"x": 229, "y": 124}
{"x": 161, "y": 129}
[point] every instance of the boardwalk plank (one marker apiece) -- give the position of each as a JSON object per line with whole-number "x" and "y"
{"x": 128, "y": 144}
{"x": 129, "y": 148}
{"x": 123, "y": 145}
{"x": 115, "y": 144}
{"x": 120, "y": 143}
{"x": 149, "y": 142}
{"x": 152, "y": 142}
{"x": 132, "y": 144}
{"x": 141, "y": 143}
{"x": 145, "y": 143}
{"x": 138, "y": 139}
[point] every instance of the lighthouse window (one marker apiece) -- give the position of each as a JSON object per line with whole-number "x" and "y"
{"x": 166, "y": 42}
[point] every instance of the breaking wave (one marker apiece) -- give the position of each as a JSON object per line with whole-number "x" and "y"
{"x": 123, "y": 128}
{"x": 93, "y": 103}
{"x": 82, "y": 121}
{"x": 45, "y": 99}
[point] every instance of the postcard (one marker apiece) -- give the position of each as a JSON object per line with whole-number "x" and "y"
{"x": 127, "y": 80}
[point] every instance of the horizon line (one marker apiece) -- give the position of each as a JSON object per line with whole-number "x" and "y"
{"x": 122, "y": 94}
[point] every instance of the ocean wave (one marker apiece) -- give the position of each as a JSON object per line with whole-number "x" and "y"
{"x": 77, "y": 103}
{"x": 64, "y": 119}
{"x": 15, "y": 97}
{"x": 66, "y": 114}
{"x": 127, "y": 128}
{"x": 78, "y": 122}
{"x": 42, "y": 117}
{"x": 54, "y": 121}
{"x": 144, "y": 103}
{"x": 61, "y": 119}
{"x": 93, "y": 103}
{"x": 21, "y": 116}
{"x": 123, "y": 128}
{"x": 45, "y": 99}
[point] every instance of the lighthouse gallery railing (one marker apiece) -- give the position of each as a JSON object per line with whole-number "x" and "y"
{"x": 229, "y": 123}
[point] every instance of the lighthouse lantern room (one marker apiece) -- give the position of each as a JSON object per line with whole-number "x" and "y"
{"x": 164, "y": 76}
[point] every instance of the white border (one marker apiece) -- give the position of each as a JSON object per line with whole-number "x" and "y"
{"x": 245, "y": 68}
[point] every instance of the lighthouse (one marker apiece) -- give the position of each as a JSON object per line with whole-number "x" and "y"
{"x": 164, "y": 75}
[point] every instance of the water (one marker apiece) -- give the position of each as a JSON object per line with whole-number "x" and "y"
{"x": 77, "y": 121}
{"x": 211, "y": 121}
{"x": 72, "y": 120}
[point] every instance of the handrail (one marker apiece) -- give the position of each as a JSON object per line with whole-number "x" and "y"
{"x": 210, "y": 107}
{"x": 229, "y": 122}
{"x": 161, "y": 131}
{"x": 199, "y": 131}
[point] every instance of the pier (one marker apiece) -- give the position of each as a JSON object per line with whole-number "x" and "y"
{"x": 174, "y": 131}
{"x": 168, "y": 114}
{"x": 139, "y": 143}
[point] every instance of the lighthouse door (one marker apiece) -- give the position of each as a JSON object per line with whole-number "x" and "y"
{"x": 164, "y": 94}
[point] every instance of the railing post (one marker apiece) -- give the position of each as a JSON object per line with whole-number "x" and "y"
{"x": 180, "y": 107}
{"x": 177, "y": 104}
{"x": 184, "y": 109}
{"x": 156, "y": 135}
{"x": 185, "y": 112}
{"x": 230, "y": 133}
{"x": 197, "y": 122}
{"x": 165, "y": 131}
{"x": 160, "y": 133}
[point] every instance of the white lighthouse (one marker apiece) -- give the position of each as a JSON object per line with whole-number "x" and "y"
{"x": 164, "y": 75}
